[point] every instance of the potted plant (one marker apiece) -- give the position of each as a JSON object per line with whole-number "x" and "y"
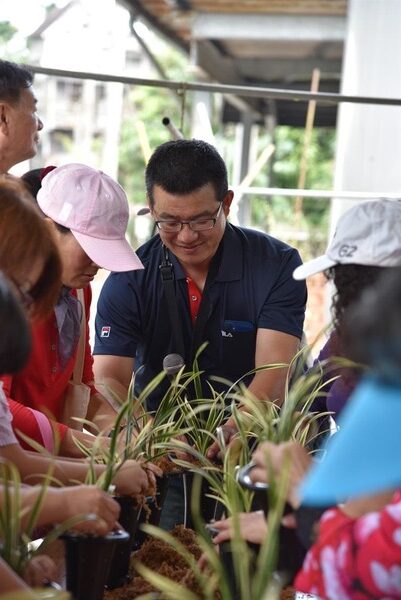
{"x": 18, "y": 525}
{"x": 92, "y": 554}
{"x": 268, "y": 422}
{"x": 136, "y": 435}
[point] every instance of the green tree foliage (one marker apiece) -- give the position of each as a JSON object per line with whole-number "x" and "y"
{"x": 7, "y": 31}
{"x": 146, "y": 106}
{"x": 277, "y": 214}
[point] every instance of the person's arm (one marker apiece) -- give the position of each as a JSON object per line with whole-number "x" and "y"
{"x": 272, "y": 347}
{"x": 267, "y": 385}
{"x": 24, "y": 420}
{"x": 113, "y": 375}
{"x": 130, "y": 480}
{"x": 60, "y": 504}
{"x": 101, "y": 412}
{"x": 10, "y": 582}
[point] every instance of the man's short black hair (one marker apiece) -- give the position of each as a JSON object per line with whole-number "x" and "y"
{"x": 13, "y": 79}
{"x": 183, "y": 166}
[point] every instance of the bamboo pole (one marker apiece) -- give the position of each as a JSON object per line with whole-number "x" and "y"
{"x": 310, "y": 118}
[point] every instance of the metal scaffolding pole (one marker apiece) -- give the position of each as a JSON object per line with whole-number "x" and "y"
{"x": 248, "y": 91}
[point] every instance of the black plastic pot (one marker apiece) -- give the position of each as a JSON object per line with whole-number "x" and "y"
{"x": 210, "y": 509}
{"x": 88, "y": 559}
{"x": 291, "y": 551}
{"x": 128, "y": 519}
{"x": 226, "y": 557}
{"x": 152, "y": 511}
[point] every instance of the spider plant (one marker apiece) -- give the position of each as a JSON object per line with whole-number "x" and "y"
{"x": 136, "y": 434}
{"x": 16, "y": 548}
{"x": 266, "y": 421}
{"x": 254, "y": 577}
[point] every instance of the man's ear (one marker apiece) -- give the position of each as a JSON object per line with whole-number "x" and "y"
{"x": 227, "y": 202}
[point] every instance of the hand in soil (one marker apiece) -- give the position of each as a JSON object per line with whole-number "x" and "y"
{"x": 131, "y": 479}
{"x": 151, "y": 471}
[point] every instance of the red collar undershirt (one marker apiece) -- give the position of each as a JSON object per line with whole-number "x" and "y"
{"x": 194, "y": 297}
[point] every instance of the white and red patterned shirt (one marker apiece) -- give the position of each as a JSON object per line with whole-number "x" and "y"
{"x": 355, "y": 559}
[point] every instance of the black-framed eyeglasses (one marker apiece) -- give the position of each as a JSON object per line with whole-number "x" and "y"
{"x": 169, "y": 226}
{"x": 24, "y": 296}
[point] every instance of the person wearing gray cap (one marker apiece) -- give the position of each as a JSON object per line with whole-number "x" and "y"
{"x": 367, "y": 240}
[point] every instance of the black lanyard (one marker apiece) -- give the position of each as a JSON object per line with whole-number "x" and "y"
{"x": 205, "y": 310}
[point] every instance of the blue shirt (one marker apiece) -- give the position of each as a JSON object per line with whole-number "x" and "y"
{"x": 253, "y": 289}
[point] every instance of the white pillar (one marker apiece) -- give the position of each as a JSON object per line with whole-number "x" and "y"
{"x": 368, "y": 154}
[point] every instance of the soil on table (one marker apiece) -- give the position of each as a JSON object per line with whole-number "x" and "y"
{"x": 162, "y": 558}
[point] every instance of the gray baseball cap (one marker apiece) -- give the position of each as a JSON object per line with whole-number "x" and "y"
{"x": 369, "y": 233}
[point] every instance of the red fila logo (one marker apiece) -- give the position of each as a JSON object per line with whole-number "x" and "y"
{"x": 105, "y": 331}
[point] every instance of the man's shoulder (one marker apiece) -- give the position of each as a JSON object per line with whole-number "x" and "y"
{"x": 260, "y": 241}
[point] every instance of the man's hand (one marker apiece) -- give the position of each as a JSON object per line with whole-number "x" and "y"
{"x": 226, "y": 433}
{"x": 274, "y": 458}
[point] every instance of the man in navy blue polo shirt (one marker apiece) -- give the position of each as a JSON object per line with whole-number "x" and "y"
{"x": 233, "y": 287}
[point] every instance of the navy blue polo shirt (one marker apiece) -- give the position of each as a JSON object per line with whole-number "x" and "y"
{"x": 253, "y": 288}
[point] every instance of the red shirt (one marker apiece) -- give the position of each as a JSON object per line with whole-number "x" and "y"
{"x": 194, "y": 297}
{"x": 355, "y": 559}
{"x": 41, "y": 385}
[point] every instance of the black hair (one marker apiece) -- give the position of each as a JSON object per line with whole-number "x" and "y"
{"x": 183, "y": 166}
{"x": 373, "y": 326}
{"x": 350, "y": 282}
{"x": 33, "y": 181}
{"x": 15, "y": 339}
{"x": 13, "y": 79}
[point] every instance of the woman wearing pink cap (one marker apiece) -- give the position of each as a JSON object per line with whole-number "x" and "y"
{"x": 87, "y": 215}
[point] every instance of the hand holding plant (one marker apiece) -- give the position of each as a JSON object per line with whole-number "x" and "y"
{"x": 40, "y": 570}
{"x": 273, "y": 458}
{"x": 226, "y": 433}
{"x": 133, "y": 480}
{"x": 252, "y": 528}
{"x": 86, "y": 499}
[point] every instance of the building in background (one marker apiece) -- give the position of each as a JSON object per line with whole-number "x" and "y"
{"x": 82, "y": 117}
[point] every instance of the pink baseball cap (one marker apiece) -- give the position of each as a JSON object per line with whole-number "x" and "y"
{"x": 95, "y": 208}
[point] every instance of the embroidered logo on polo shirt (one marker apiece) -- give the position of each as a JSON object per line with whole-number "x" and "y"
{"x": 105, "y": 332}
{"x": 226, "y": 333}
